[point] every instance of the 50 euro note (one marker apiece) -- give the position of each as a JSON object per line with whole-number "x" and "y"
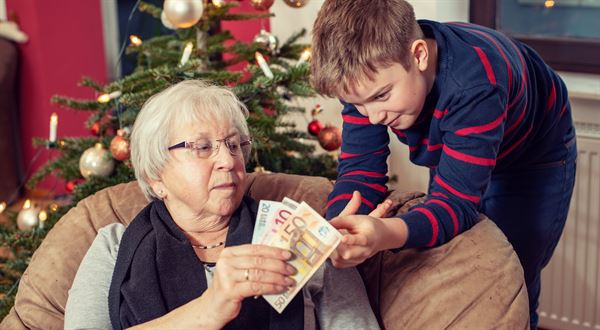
{"x": 311, "y": 239}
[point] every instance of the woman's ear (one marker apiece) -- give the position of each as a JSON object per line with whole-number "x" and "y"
{"x": 158, "y": 188}
{"x": 420, "y": 54}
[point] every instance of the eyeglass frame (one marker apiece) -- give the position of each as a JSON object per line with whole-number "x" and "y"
{"x": 215, "y": 150}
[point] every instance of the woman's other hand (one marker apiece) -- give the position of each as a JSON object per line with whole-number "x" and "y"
{"x": 248, "y": 271}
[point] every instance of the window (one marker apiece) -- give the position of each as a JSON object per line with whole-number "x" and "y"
{"x": 566, "y": 33}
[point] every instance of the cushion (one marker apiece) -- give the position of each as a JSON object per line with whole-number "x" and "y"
{"x": 473, "y": 281}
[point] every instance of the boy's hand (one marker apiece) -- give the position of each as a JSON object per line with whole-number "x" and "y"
{"x": 362, "y": 233}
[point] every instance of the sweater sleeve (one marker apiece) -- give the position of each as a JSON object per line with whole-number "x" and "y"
{"x": 362, "y": 163}
{"x": 87, "y": 303}
{"x": 472, "y": 130}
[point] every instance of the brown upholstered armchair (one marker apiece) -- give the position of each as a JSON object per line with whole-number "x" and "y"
{"x": 474, "y": 281}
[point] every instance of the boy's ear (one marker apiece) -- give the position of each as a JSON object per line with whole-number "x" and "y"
{"x": 420, "y": 54}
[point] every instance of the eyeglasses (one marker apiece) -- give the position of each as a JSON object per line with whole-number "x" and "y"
{"x": 206, "y": 149}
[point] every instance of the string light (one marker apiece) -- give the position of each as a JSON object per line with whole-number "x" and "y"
{"x": 43, "y": 216}
{"x": 135, "y": 40}
{"x": 263, "y": 65}
{"x": 305, "y": 56}
{"x": 187, "y": 52}
{"x": 2, "y": 207}
{"x": 53, "y": 207}
{"x": 27, "y": 204}
{"x": 105, "y": 98}
{"x": 218, "y": 3}
{"x": 549, "y": 3}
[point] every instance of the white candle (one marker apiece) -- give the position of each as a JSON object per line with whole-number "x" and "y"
{"x": 53, "y": 125}
{"x": 304, "y": 57}
{"x": 43, "y": 216}
{"x": 187, "y": 51}
{"x": 104, "y": 98}
{"x": 263, "y": 65}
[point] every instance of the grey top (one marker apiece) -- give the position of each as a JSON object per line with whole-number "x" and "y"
{"x": 338, "y": 295}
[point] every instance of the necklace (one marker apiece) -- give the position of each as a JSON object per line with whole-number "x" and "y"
{"x": 206, "y": 247}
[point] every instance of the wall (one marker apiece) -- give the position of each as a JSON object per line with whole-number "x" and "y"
{"x": 65, "y": 43}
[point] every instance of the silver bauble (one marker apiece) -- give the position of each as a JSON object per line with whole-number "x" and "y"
{"x": 96, "y": 161}
{"x": 267, "y": 40}
{"x": 183, "y": 13}
{"x": 27, "y": 219}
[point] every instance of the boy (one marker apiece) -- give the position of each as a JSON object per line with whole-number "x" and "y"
{"x": 489, "y": 118}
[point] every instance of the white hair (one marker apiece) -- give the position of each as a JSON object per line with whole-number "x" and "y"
{"x": 185, "y": 102}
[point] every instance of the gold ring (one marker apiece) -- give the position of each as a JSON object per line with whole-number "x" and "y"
{"x": 247, "y": 274}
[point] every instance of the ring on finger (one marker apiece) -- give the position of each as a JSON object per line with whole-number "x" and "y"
{"x": 247, "y": 274}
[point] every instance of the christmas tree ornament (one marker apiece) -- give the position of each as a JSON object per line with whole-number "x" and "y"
{"x": 261, "y": 4}
{"x": 296, "y": 3}
{"x": 316, "y": 110}
{"x": 96, "y": 161}
{"x": 267, "y": 40}
{"x": 183, "y": 13}
{"x": 330, "y": 138}
{"x": 262, "y": 63}
{"x": 70, "y": 186}
{"x": 165, "y": 21}
{"x": 119, "y": 146}
{"x": 96, "y": 128}
{"x": 27, "y": 218}
{"x": 315, "y": 127}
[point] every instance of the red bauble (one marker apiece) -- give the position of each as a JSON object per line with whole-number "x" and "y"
{"x": 95, "y": 129}
{"x": 261, "y": 4}
{"x": 119, "y": 148}
{"x": 70, "y": 186}
{"x": 330, "y": 138}
{"x": 315, "y": 127}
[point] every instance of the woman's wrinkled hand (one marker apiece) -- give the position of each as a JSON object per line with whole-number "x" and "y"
{"x": 248, "y": 271}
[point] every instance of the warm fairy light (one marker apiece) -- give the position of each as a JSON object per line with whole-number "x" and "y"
{"x": 263, "y": 65}
{"x": 135, "y": 40}
{"x": 43, "y": 216}
{"x": 53, "y": 125}
{"x": 549, "y": 3}
{"x": 27, "y": 204}
{"x": 218, "y": 3}
{"x": 187, "y": 51}
{"x": 2, "y": 207}
{"x": 53, "y": 207}
{"x": 305, "y": 56}
{"x": 104, "y": 98}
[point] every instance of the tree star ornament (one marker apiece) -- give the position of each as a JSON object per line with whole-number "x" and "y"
{"x": 183, "y": 13}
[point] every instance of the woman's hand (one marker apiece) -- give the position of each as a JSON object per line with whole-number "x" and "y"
{"x": 247, "y": 271}
{"x": 364, "y": 235}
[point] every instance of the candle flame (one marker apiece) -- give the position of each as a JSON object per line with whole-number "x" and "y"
{"x": 104, "y": 98}
{"x": 54, "y": 118}
{"x": 218, "y": 3}
{"x": 27, "y": 204}
{"x": 135, "y": 40}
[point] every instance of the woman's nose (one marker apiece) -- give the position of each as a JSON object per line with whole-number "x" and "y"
{"x": 223, "y": 158}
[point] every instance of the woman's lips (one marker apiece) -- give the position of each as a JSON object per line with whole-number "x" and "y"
{"x": 229, "y": 185}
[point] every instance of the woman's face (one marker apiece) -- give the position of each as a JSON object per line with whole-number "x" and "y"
{"x": 197, "y": 187}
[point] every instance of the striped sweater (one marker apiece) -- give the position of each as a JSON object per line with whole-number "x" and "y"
{"x": 495, "y": 107}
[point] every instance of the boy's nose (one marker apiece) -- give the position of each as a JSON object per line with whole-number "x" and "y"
{"x": 375, "y": 116}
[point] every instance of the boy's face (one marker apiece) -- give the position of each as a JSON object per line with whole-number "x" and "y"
{"x": 395, "y": 96}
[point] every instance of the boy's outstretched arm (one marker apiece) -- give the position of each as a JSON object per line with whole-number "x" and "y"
{"x": 365, "y": 235}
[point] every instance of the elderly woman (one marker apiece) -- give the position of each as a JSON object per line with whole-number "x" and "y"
{"x": 185, "y": 261}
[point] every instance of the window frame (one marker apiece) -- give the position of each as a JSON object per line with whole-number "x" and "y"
{"x": 556, "y": 51}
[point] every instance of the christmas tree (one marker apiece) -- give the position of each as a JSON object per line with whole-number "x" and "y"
{"x": 270, "y": 76}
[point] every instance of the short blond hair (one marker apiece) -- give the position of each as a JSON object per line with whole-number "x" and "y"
{"x": 161, "y": 115}
{"x": 353, "y": 38}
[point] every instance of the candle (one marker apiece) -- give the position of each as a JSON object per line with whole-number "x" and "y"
{"x": 43, "y": 216}
{"x": 135, "y": 40}
{"x": 2, "y": 207}
{"x": 53, "y": 124}
{"x": 104, "y": 98}
{"x": 304, "y": 57}
{"x": 263, "y": 65}
{"x": 187, "y": 51}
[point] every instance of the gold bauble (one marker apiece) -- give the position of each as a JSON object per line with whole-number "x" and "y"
{"x": 296, "y": 3}
{"x": 330, "y": 138}
{"x": 183, "y": 13}
{"x": 96, "y": 161}
{"x": 261, "y": 4}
